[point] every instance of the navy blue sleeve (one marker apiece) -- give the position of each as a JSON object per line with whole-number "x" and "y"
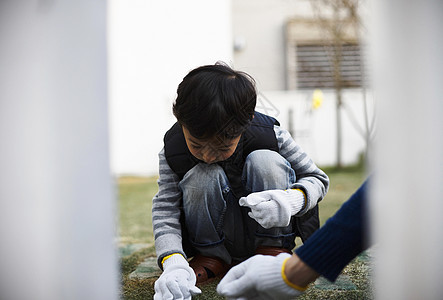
{"x": 340, "y": 240}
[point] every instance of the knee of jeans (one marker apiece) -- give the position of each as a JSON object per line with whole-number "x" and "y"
{"x": 204, "y": 175}
{"x": 262, "y": 161}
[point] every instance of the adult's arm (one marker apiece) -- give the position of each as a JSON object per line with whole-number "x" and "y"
{"x": 341, "y": 239}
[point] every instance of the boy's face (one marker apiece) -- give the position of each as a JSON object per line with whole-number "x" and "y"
{"x": 210, "y": 150}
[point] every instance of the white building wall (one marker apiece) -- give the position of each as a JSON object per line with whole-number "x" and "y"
{"x": 152, "y": 46}
{"x": 315, "y": 129}
{"x": 259, "y": 32}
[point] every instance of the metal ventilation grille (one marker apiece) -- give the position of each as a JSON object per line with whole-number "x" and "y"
{"x": 315, "y": 66}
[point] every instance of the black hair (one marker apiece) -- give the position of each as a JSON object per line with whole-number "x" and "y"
{"x": 215, "y": 101}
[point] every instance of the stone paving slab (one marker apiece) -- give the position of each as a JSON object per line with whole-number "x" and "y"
{"x": 126, "y": 250}
{"x": 147, "y": 269}
{"x": 343, "y": 282}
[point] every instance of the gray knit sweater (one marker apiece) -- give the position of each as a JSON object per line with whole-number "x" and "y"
{"x": 166, "y": 203}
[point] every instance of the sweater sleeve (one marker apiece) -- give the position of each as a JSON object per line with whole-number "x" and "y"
{"x": 340, "y": 240}
{"x": 166, "y": 212}
{"x": 309, "y": 178}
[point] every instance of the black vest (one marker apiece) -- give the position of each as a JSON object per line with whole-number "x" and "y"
{"x": 259, "y": 135}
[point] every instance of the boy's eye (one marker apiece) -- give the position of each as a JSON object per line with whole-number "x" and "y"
{"x": 196, "y": 146}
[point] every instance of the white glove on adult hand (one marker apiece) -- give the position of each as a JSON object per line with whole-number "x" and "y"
{"x": 259, "y": 277}
{"x": 274, "y": 208}
{"x": 177, "y": 280}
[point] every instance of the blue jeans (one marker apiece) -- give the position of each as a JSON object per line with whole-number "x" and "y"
{"x": 215, "y": 223}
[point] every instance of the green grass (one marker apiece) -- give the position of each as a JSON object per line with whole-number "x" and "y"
{"x": 135, "y": 202}
{"x": 343, "y": 183}
{"x": 135, "y": 226}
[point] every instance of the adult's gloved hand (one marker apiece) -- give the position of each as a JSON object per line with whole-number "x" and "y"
{"x": 274, "y": 208}
{"x": 177, "y": 280}
{"x": 259, "y": 277}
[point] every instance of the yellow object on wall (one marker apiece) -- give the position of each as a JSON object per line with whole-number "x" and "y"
{"x": 317, "y": 99}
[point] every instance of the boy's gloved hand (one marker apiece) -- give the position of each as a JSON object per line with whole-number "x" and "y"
{"x": 274, "y": 208}
{"x": 259, "y": 277}
{"x": 177, "y": 280}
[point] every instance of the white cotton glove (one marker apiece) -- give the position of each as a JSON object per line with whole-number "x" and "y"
{"x": 259, "y": 277}
{"x": 177, "y": 280}
{"x": 274, "y": 208}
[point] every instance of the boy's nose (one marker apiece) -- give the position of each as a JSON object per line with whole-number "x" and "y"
{"x": 209, "y": 157}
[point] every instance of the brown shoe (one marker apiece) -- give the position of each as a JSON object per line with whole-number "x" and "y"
{"x": 268, "y": 250}
{"x": 208, "y": 268}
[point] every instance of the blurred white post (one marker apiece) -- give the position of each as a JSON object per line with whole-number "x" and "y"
{"x": 408, "y": 194}
{"x": 57, "y": 210}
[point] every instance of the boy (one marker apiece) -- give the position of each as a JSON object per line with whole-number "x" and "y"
{"x": 232, "y": 183}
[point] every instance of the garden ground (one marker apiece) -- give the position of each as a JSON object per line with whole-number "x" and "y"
{"x": 138, "y": 263}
